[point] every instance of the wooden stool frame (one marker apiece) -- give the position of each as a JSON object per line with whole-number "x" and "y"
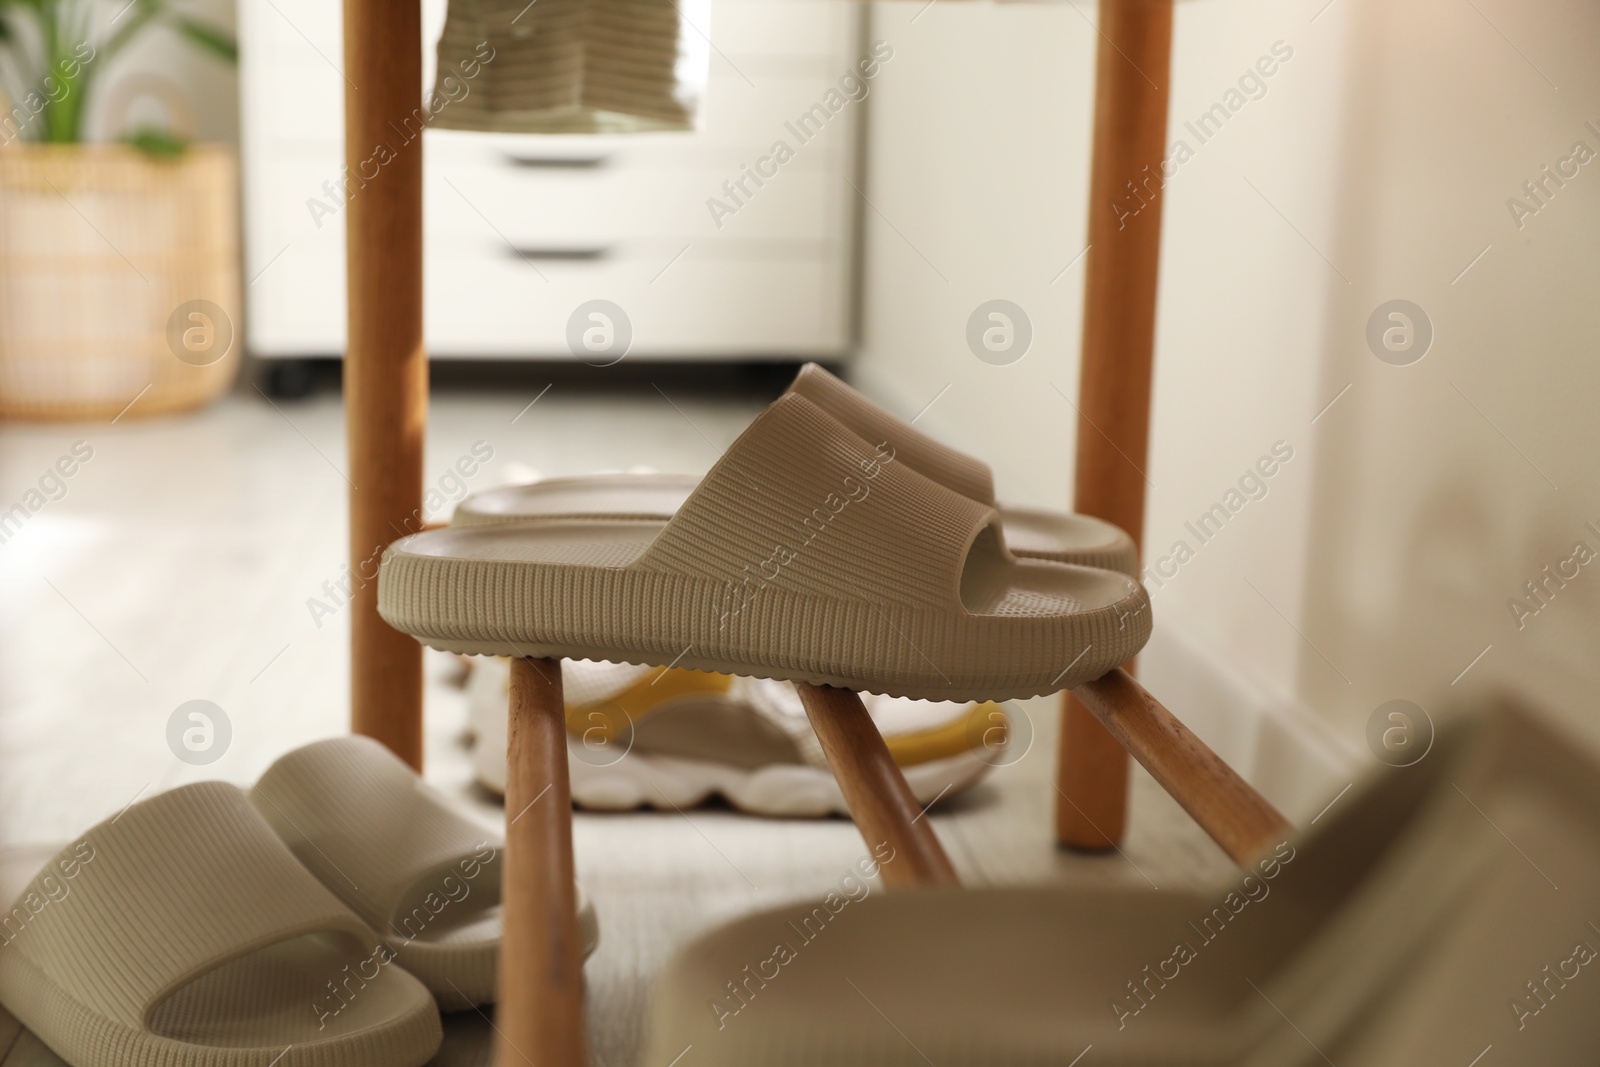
{"x": 540, "y": 1014}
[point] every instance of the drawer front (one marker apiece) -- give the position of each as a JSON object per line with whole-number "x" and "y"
{"x": 697, "y": 305}
{"x": 626, "y": 206}
{"x": 494, "y": 306}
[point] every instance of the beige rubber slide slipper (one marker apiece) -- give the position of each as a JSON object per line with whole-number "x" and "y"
{"x": 1033, "y": 533}
{"x": 1432, "y": 913}
{"x": 672, "y": 739}
{"x": 19, "y": 1047}
{"x": 389, "y": 846}
{"x": 805, "y": 554}
{"x": 183, "y": 933}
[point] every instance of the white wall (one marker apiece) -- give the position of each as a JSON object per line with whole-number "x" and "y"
{"x": 1241, "y": 323}
{"x": 1448, "y": 484}
{"x": 976, "y": 182}
{"x": 1374, "y": 166}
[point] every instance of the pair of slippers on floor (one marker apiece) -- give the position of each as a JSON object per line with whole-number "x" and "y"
{"x": 324, "y": 917}
{"x": 831, "y": 544}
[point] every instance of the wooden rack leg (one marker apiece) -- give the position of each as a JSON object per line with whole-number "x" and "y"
{"x": 1091, "y": 779}
{"x": 1236, "y": 816}
{"x": 385, "y": 368}
{"x": 1119, "y": 319}
{"x": 880, "y": 801}
{"x": 540, "y": 1021}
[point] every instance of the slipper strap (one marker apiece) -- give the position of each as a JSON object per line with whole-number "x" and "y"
{"x": 377, "y": 835}
{"x": 965, "y": 474}
{"x": 152, "y": 898}
{"x": 802, "y": 503}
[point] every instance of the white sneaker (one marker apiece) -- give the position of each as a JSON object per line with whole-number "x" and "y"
{"x": 671, "y": 738}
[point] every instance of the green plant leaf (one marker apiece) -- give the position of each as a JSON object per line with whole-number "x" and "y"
{"x": 218, "y": 42}
{"x": 144, "y": 11}
{"x": 157, "y": 142}
{"x": 35, "y": 36}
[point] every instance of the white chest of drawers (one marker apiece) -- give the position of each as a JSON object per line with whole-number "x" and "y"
{"x": 521, "y": 230}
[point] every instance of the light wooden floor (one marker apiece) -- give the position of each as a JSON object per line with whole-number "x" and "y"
{"x": 179, "y": 564}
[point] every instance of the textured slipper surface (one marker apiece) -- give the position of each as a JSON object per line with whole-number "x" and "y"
{"x": 969, "y": 979}
{"x": 183, "y": 933}
{"x": 1032, "y": 533}
{"x": 20, "y": 1047}
{"x": 1440, "y": 909}
{"x": 929, "y": 457}
{"x": 1029, "y": 532}
{"x": 389, "y": 846}
{"x": 805, "y": 554}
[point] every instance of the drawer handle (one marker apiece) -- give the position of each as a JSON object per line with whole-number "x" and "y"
{"x": 556, "y": 162}
{"x": 560, "y": 255}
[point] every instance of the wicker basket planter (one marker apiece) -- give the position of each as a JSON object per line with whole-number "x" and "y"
{"x": 119, "y": 279}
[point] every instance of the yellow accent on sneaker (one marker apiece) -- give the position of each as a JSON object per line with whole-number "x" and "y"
{"x": 603, "y": 721}
{"x": 984, "y": 726}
